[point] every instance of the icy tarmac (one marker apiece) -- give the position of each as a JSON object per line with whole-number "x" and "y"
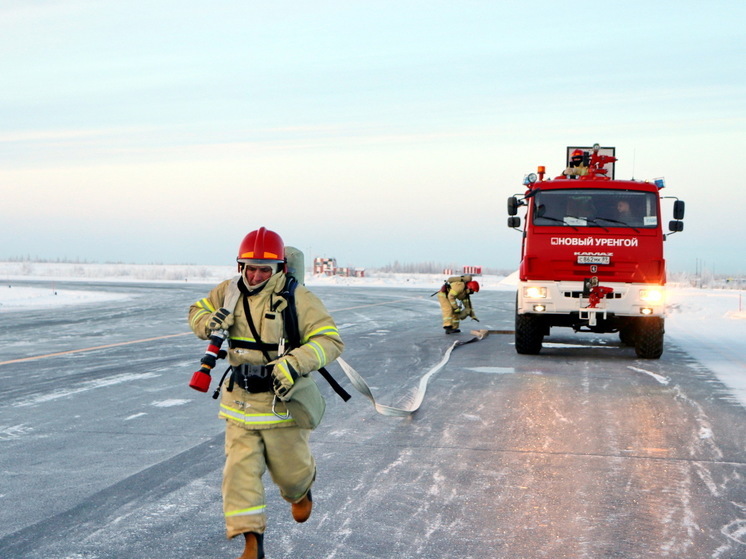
{"x": 582, "y": 451}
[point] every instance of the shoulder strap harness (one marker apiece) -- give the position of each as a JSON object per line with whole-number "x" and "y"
{"x": 292, "y": 329}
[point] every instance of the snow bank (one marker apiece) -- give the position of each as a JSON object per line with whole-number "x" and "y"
{"x": 112, "y": 272}
{"x": 421, "y": 281}
{"x": 15, "y": 298}
{"x": 71, "y": 272}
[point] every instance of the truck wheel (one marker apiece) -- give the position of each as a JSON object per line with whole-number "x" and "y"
{"x": 529, "y": 333}
{"x": 649, "y": 338}
{"x": 627, "y": 335}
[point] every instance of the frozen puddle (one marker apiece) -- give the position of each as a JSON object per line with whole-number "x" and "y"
{"x": 170, "y": 403}
{"x": 84, "y": 387}
{"x": 492, "y": 370}
{"x": 661, "y": 379}
{"x": 584, "y": 346}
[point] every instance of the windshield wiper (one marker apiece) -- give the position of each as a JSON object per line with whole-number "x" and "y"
{"x": 562, "y": 221}
{"x": 619, "y": 222}
{"x": 597, "y": 224}
{"x": 589, "y": 220}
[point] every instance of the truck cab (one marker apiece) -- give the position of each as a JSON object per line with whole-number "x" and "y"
{"x": 592, "y": 254}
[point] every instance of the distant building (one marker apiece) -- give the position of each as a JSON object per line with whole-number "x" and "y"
{"x": 472, "y": 270}
{"x": 324, "y": 266}
{"x": 328, "y": 267}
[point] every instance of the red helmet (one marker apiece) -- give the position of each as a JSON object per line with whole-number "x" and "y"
{"x": 576, "y": 153}
{"x": 261, "y": 247}
{"x": 473, "y": 286}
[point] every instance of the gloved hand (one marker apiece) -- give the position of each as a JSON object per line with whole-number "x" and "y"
{"x": 463, "y": 314}
{"x": 456, "y": 309}
{"x": 283, "y": 377}
{"x": 221, "y": 319}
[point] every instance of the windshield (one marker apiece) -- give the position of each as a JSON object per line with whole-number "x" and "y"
{"x": 596, "y": 208}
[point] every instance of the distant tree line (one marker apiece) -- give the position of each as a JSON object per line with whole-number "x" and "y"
{"x": 431, "y": 268}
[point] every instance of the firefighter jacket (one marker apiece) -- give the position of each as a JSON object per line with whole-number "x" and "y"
{"x": 576, "y": 171}
{"x": 320, "y": 344}
{"x": 459, "y": 292}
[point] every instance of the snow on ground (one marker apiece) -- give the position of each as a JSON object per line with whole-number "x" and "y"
{"x": 71, "y": 272}
{"x": 15, "y": 297}
{"x": 709, "y": 324}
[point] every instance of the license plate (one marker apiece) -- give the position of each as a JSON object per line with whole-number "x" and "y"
{"x": 589, "y": 259}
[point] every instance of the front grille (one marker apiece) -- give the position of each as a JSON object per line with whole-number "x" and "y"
{"x": 579, "y": 295}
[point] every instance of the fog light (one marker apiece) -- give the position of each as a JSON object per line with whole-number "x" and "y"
{"x": 539, "y": 308}
{"x": 646, "y": 310}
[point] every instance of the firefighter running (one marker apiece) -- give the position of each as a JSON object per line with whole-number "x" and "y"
{"x": 455, "y": 303}
{"x": 259, "y": 434}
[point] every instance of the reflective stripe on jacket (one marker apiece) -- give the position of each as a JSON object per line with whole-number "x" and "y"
{"x": 252, "y": 419}
{"x": 459, "y": 292}
{"x": 320, "y": 343}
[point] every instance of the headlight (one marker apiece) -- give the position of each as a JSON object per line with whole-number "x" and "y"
{"x": 535, "y": 292}
{"x": 651, "y": 295}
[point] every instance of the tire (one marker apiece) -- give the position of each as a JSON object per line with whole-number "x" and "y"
{"x": 649, "y": 338}
{"x": 529, "y": 333}
{"x": 627, "y": 335}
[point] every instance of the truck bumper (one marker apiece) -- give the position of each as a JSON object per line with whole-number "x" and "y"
{"x": 567, "y": 298}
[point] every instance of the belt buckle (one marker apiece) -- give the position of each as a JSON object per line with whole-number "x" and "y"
{"x": 256, "y": 371}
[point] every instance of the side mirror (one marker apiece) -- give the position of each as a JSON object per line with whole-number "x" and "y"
{"x": 515, "y": 222}
{"x": 678, "y": 209}
{"x": 512, "y": 205}
{"x": 676, "y": 226}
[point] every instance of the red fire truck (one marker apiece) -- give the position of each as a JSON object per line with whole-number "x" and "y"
{"x": 592, "y": 254}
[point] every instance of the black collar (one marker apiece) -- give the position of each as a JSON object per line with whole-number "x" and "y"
{"x": 243, "y": 288}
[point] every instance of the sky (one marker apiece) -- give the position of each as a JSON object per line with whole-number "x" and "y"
{"x": 372, "y": 132}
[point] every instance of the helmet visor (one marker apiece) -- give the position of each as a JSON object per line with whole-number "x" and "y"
{"x": 259, "y": 261}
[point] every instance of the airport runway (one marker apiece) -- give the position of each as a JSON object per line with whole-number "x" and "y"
{"x": 583, "y": 451}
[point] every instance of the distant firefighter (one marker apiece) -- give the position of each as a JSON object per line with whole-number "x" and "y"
{"x": 455, "y": 303}
{"x": 576, "y": 168}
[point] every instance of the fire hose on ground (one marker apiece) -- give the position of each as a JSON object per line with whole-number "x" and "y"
{"x": 201, "y": 378}
{"x": 362, "y": 386}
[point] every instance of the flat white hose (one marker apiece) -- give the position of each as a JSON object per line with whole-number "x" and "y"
{"x": 361, "y": 386}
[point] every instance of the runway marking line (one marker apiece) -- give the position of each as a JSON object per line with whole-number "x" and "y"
{"x": 90, "y": 348}
{"x": 34, "y": 358}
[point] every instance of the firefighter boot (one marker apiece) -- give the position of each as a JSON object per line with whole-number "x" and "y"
{"x": 254, "y": 546}
{"x": 302, "y": 509}
{"x": 451, "y": 330}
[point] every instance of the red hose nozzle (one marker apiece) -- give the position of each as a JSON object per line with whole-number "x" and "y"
{"x": 200, "y": 381}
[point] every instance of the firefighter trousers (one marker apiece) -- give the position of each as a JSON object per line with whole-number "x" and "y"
{"x": 249, "y": 453}
{"x": 450, "y": 317}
